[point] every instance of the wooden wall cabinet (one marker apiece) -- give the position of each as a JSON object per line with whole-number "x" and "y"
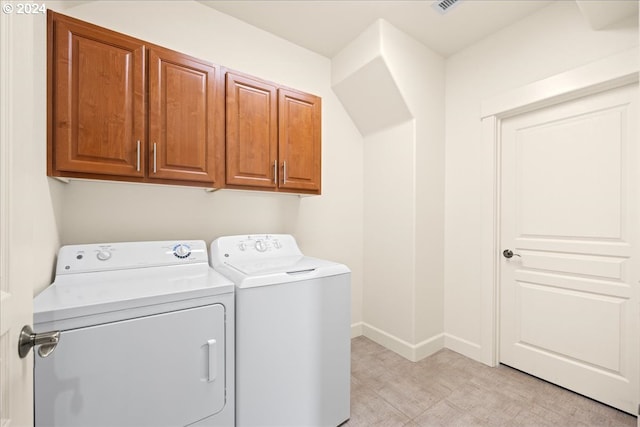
{"x": 123, "y": 109}
{"x": 186, "y": 119}
{"x": 127, "y": 110}
{"x": 273, "y": 136}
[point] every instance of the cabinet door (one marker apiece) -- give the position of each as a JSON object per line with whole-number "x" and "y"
{"x": 185, "y": 117}
{"x": 252, "y": 134}
{"x": 299, "y": 140}
{"x": 96, "y": 79}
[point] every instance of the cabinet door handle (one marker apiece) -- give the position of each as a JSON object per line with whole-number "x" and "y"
{"x": 155, "y": 157}
{"x": 138, "y": 156}
{"x": 275, "y": 172}
{"x": 284, "y": 172}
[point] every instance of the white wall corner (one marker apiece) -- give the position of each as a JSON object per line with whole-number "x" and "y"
{"x": 602, "y": 13}
{"x": 412, "y": 352}
{"x": 361, "y": 79}
{"x": 385, "y": 80}
{"x": 428, "y": 347}
{"x": 356, "y": 329}
{"x": 372, "y": 98}
{"x": 357, "y": 53}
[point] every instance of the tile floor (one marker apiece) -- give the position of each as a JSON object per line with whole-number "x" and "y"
{"x": 448, "y": 389}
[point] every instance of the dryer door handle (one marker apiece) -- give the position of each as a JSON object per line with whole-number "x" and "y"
{"x": 213, "y": 360}
{"x": 46, "y": 340}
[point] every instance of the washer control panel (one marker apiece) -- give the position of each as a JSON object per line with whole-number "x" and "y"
{"x": 125, "y": 255}
{"x": 259, "y": 243}
{"x": 253, "y": 247}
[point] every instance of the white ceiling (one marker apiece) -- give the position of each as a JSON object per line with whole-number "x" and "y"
{"x": 327, "y": 26}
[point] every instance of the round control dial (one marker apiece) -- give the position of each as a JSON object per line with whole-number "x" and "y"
{"x": 261, "y": 246}
{"x": 181, "y": 250}
{"x": 103, "y": 254}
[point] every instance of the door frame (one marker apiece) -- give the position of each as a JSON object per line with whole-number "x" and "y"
{"x": 611, "y": 72}
{"x": 5, "y": 164}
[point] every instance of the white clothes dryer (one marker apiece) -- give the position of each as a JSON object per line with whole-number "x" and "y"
{"x": 293, "y": 334}
{"x": 147, "y": 338}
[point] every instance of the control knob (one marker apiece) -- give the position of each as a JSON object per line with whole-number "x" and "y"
{"x": 181, "y": 250}
{"x": 261, "y": 246}
{"x": 103, "y": 254}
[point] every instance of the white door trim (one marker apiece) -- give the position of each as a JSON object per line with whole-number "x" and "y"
{"x": 608, "y": 73}
{"x": 613, "y": 71}
{"x": 6, "y": 319}
{"x": 5, "y": 132}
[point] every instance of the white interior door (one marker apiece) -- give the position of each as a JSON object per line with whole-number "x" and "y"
{"x": 569, "y": 300}
{"x": 16, "y": 221}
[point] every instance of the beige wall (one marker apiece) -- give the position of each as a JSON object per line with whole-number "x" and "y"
{"x": 33, "y": 201}
{"x": 327, "y": 226}
{"x": 553, "y": 40}
{"x": 393, "y": 88}
{"x": 389, "y": 224}
{"x": 420, "y": 74}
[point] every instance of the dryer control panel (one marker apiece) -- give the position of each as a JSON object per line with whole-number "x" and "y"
{"x": 126, "y": 255}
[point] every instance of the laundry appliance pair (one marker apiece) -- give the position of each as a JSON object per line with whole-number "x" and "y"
{"x": 151, "y": 335}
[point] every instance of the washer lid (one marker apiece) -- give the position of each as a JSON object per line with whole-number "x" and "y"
{"x": 87, "y": 294}
{"x": 279, "y": 270}
{"x": 267, "y": 259}
{"x": 273, "y": 265}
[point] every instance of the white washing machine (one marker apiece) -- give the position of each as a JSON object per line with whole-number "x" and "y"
{"x": 147, "y": 338}
{"x": 293, "y": 344}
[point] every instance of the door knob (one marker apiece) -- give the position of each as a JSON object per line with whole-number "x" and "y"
{"x": 46, "y": 340}
{"x": 508, "y": 253}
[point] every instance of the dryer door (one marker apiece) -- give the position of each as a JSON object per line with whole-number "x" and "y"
{"x": 160, "y": 370}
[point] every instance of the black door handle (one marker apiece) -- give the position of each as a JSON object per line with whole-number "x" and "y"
{"x": 508, "y": 253}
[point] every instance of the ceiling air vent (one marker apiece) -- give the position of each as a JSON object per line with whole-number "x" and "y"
{"x": 444, "y": 6}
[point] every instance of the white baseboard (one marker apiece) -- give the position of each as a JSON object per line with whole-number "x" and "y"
{"x": 415, "y": 352}
{"x": 356, "y": 329}
{"x": 429, "y": 346}
{"x": 464, "y": 347}
{"x": 412, "y": 352}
